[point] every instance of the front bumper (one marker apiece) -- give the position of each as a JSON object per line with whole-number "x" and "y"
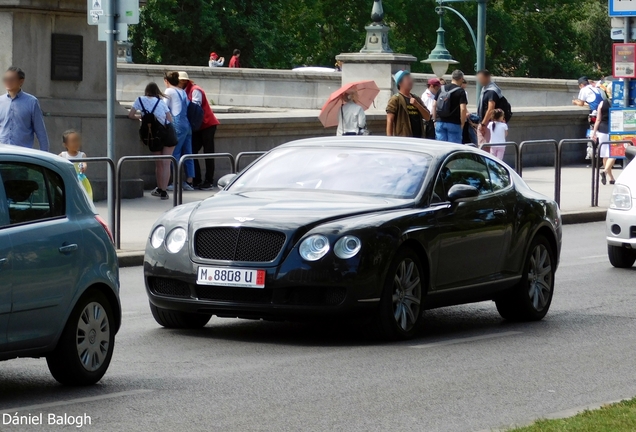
{"x": 621, "y": 228}
{"x": 293, "y": 289}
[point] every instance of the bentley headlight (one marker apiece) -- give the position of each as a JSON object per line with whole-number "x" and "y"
{"x": 314, "y": 247}
{"x": 347, "y": 247}
{"x": 621, "y": 198}
{"x": 175, "y": 240}
{"x": 156, "y": 239}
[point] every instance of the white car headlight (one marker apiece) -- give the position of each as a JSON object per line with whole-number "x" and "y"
{"x": 156, "y": 239}
{"x": 621, "y": 198}
{"x": 175, "y": 240}
{"x": 347, "y": 247}
{"x": 314, "y": 247}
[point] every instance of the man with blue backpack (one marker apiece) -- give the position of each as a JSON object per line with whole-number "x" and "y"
{"x": 588, "y": 95}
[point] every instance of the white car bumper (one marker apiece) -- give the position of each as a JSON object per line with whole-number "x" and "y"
{"x": 621, "y": 228}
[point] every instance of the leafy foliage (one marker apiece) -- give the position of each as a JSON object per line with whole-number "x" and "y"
{"x": 533, "y": 38}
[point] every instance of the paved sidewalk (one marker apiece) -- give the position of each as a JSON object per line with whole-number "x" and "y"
{"x": 138, "y": 215}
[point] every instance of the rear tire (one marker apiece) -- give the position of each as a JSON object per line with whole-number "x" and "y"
{"x": 400, "y": 309}
{"x": 85, "y": 348}
{"x": 177, "y": 319}
{"x": 621, "y": 257}
{"x": 530, "y": 299}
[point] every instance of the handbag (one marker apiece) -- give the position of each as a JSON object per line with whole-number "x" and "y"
{"x": 169, "y": 137}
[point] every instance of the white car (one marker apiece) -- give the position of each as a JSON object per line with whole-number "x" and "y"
{"x": 621, "y": 218}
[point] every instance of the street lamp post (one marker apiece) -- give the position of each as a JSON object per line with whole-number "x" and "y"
{"x": 440, "y": 58}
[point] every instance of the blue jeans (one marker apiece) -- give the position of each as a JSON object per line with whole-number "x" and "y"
{"x": 184, "y": 143}
{"x": 449, "y": 132}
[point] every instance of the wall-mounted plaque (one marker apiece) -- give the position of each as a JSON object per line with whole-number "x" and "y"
{"x": 67, "y": 57}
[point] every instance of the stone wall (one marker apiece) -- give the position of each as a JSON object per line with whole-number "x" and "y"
{"x": 309, "y": 90}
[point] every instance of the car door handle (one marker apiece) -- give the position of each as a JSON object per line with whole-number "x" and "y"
{"x": 499, "y": 212}
{"x": 68, "y": 248}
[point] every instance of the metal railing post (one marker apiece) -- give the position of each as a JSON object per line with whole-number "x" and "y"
{"x": 118, "y": 171}
{"x": 178, "y": 183}
{"x": 557, "y": 163}
{"x": 109, "y": 186}
{"x": 246, "y": 154}
{"x": 563, "y": 142}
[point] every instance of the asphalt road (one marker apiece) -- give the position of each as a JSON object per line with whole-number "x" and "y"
{"x": 469, "y": 371}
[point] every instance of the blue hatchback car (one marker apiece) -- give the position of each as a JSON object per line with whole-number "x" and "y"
{"x": 59, "y": 279}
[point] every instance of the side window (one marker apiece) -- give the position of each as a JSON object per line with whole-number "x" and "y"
{"x": 466, "y": 168}
{"x": 499, "y": 175}
{"x": 33, "y": 193}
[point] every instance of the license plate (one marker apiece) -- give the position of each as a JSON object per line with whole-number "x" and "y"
{"x": 231, "y": 277}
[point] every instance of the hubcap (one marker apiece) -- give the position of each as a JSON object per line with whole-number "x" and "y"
{"x": 540, "y": 277}
{"x": 93, "y": 336}
{"x": 407, "y": 294}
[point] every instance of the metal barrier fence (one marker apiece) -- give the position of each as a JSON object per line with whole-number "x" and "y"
{"x": 517, "y": 154}
{"x": 244, "y": 155}
{"x": 599, "y": 165}
{"x": 178, "y": 179}
{"x": 586, "y": 141}
{"x": 111, "y": 167}
{"x": 118, "y": 171}
{"x": 557, "y": 163}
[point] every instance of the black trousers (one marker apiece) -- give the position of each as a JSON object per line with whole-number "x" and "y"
{"x": 203, "y": 139}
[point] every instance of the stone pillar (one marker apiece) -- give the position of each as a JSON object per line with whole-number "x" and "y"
{"x": 376, "y": 61}
{"x": 376, "y": 67}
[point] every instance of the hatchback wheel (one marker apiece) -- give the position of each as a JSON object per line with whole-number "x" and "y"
{"x": 621, "y": 257}
{"x": 85, "y": 348}
{"x": 177, "y": 319}
{"x": 400, "y": 314}
{"x": 530, "y": 299}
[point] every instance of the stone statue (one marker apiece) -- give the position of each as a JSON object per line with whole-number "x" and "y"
{"x": 377, "y": 13}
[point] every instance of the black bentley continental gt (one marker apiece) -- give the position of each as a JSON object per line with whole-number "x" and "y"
{"x": 367, "y": 227}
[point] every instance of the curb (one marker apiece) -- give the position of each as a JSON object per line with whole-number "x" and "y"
{"x": 585, "y": 216}
{"x": 130, "y": 258}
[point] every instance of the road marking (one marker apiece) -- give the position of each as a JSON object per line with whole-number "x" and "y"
{"x": 594, "y": 257}
{"x": 75, "y": 401}
{"x": 468, "y": 339}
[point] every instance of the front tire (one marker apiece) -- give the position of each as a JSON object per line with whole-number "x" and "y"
{"x": 621, "y": 257}
{"x": 85, "y": 348}
{"x": 177, "y": 319}
{"x": 531, "y": 298}
{"x": 400, "y": 311}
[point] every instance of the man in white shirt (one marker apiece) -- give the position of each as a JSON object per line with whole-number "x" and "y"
{"x": 588, "y": 95}
{"x": 351, "y": 119}
{"x": 434, "y": 85}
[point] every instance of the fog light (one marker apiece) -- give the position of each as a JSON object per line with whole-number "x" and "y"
{"x": 616, "y": 229}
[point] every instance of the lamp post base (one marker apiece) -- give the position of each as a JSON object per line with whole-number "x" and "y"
{"x": 377, "y": 40}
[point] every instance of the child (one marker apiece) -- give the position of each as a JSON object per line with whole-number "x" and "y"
{"x": 498, "y": 133}
{"x": 72, "y": 141}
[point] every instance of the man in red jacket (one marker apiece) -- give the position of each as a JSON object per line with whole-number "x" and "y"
{"x": 235, "y": 61}
{"x": 204, "y": 137}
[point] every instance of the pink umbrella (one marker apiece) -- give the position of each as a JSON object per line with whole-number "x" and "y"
{"x": 365, "y": 91}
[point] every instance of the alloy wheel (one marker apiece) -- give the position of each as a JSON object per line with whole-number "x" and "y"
{"x": 540, "y": 277}
{"x": 407, "y": 294}
{"x": 93, "y": 336}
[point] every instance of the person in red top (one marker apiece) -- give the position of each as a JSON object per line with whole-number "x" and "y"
{"x": 235, "y": 61}
{"x": 204, "y": 137}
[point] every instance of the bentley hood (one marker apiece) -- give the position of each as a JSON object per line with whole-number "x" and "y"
{"x": 284, "y": 210}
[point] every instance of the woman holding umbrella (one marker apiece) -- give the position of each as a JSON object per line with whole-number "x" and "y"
{"x": 345, "y": 107}
{"x": 352, "y": 119}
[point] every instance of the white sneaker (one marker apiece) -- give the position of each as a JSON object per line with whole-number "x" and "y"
{"x": 170, "y": 188}
{"x": 156, "y": 192}
{"x": 187, "y": 186}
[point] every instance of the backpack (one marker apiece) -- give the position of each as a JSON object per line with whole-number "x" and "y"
{"x": 504, "y": 105}
{"x": 151, "y": 131}
{"x": 195, "y": 115}
{"x": 444, "y": 103}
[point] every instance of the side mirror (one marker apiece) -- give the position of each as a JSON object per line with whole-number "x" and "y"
{"x": 630, "y": 153}
{"x": 225, "y": 180}
{"x": 460, "y": 192}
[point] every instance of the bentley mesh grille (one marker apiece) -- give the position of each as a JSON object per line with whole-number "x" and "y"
{"x": 238, "y": 244}
{"x": 169, "y": 287}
